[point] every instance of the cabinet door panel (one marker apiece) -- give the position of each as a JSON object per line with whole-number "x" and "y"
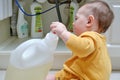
{"x": 114, "y": 31}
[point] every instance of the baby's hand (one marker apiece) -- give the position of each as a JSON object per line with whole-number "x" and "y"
{"x": 58, "y": 28}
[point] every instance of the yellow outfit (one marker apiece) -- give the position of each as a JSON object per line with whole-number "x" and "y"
{"x": 90, "y": 59}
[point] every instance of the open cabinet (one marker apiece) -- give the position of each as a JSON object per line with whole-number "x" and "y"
{"x": 9, "y": 43}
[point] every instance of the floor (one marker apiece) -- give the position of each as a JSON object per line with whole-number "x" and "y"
{"x": 115, "y": 75}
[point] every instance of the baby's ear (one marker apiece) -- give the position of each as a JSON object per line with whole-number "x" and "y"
{"x": 90, "y": 20}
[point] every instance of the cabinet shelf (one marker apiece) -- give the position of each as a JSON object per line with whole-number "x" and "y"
{"x": 61, "y": 53}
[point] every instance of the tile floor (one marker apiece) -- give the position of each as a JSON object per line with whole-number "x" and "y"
{"x": 115, "y": 75}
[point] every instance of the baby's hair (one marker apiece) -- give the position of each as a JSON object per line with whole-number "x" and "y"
{"x": 102, "y": 13}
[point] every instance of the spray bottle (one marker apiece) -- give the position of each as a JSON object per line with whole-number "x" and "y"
{"x": 36, "y": 24}
{"x": 32, "y": 59}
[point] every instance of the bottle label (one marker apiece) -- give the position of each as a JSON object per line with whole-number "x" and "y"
{"x": 38, "y": 20}
{"x": 24, "y": 29}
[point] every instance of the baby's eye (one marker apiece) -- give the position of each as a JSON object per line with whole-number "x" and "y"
{"x": 76, "y": 18}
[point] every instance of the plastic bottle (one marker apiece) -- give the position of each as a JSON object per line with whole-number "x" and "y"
{"x": 36, "y": 24}
{"x": 14, "y": 20}
{"x": 22, "y": 24}
{"x": 32, "y": 59}
{"x": 73, "y": 9}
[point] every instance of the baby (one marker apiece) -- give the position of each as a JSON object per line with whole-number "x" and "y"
{"x": 90, "y": 59}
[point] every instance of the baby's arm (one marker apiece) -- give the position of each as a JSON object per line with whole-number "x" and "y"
{"x": 60, "y": 29}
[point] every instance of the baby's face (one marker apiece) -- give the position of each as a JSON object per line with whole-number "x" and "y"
{"x": 79, "y": 25}
{"x": 84, "y": 21}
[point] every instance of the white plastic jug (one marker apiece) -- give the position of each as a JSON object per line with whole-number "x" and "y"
{"x": 32, "y": 59}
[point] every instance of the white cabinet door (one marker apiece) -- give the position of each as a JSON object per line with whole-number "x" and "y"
{"x": 113, "y": 34}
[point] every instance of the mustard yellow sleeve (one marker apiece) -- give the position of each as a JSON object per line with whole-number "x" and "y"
{"x": 81, "y": 46}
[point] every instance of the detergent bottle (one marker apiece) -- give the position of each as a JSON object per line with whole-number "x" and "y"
{"x": 36, "y": 23}
{"x": 32, "y": 59}
{"x": 22, "y": 24}
{"x": 73, "y": 9}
